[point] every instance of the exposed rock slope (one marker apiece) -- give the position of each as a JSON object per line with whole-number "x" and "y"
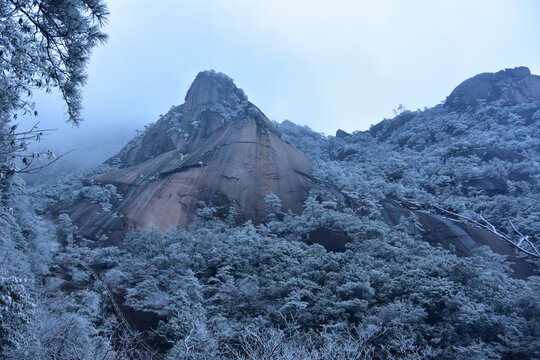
{"x": 510, "y": 86}
{"x": 216, "y": 148}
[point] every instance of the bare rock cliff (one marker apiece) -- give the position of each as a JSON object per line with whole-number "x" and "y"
{"x": 216, "y": 148}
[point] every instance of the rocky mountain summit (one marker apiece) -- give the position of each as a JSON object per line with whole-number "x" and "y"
{"x": 509, "y": 86}
{"x": 217, "y": 148}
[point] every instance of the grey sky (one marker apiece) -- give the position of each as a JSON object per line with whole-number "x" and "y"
{"x": 325, "y": 64}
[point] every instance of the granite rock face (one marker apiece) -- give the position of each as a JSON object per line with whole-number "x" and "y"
{"x": 461, "y": 238}
{"x": 216, "y": 148}
{"x": 510, "y": 86}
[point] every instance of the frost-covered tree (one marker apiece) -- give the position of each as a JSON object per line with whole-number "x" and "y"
{"x": 44, "y": 44}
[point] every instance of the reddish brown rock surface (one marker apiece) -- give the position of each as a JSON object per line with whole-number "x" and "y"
{"x": 217, "y": 148}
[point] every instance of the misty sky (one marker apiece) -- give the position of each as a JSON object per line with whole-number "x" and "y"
{"x": 326, "y": 64}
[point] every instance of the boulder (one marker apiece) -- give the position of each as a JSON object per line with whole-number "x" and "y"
{"x": 509, "y": 86}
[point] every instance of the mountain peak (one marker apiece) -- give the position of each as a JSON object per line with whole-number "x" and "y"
{"x": 210, "y": 87}
{"x": 517, "y": 72}
{"x": 217, "y": 149}
{"x": 509, "y": 86}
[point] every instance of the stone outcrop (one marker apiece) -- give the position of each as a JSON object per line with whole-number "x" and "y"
{"x": 461, "y": 238}
{"x": 216, "y": 148}
{"x": 509, "y": 86}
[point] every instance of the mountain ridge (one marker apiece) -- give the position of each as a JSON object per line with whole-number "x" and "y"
{"x": 195, "y": 156}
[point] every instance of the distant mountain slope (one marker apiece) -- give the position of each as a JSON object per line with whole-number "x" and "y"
{"x": 481, "y": 162}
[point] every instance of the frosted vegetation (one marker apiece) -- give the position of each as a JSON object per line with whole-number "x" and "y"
{"x": 239, "y": 291}
{"x": 44, "y": 45}
{"x": 222, "y": 290}
{"x": 482, "y": 162}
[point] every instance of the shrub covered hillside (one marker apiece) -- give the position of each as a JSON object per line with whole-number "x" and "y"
{"x": 481, "y": 162}
{"x": 226, "y": 289}
{"x": 218, "y": 290}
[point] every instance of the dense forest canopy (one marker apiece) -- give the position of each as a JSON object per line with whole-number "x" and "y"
{"x": 220, "y": 289}
{"x": 416, "y": 239}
